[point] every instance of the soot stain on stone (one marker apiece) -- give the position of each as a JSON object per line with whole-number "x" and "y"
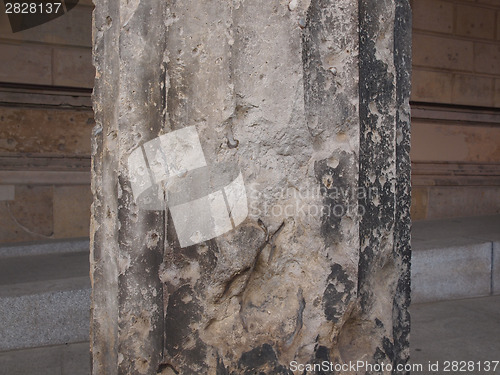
{"x": 183, "y": 309}
{"x": 262, "y": 360}
{"x": 339, "y": 197}
{"x": 337, "y": 293}
{"x": 221, "y": 368}
{"x": 321, "y": 355}
{"x": 388, "y": 348}
{"x": 257, "y": 357}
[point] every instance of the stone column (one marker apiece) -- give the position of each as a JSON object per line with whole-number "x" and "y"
{"x": 287, "y": 124}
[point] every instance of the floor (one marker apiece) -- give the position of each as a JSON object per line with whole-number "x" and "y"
{"x": 462, "y": 330}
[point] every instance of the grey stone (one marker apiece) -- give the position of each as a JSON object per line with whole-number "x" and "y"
{"x": 443, "y": 243}
{"x": 451, "y": 272}
{"x": 311, "y": 102}
{"x": 44, "y": 300}
{"x": 50, "y": 318}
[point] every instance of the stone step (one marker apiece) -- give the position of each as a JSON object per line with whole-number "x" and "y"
{"x": 455, "y": 258}
{"x": 44, "y": 298}
{"x": 45, "y": 288}
{"x": 24, "y": 249}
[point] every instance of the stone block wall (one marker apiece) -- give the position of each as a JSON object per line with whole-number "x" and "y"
{"x": 57, "y": 53}
{"x": 456, "y": 55}
{"x": 46, "y": 119}
{"x": 456, "y": 96}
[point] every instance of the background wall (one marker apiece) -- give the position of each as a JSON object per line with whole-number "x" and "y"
{"x": 456, "y": 97}
{"x": 46, "y": 76}
{"x": 46, "y": 118}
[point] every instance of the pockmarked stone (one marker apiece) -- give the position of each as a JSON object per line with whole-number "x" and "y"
{"x": 275, "y": 135}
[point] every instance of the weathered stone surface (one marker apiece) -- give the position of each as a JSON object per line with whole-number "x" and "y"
{"x": 319, "y": 126}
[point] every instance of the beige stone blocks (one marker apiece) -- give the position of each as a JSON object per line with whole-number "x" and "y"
{"x": 419, "y": 203}
{"x": 29, "y": 64}
{"x": 72, "y": 211}
{"x": 434, "y": 142}
{"x": 72, "y": 29}
{"x": 487, "y": 58}
{"x": 456, "y": 201}
{"x": 73, "y": 67}
{"x": 45, "y": 212}
{"x": 456, "y": 52}
{"x": 55, "y": 53}
{"x": 497, "y": 92}
{"x": 443, "y": 52}
{"x": 45, "y": 131}
{"x": 475, "y": 21}
{"x": 439, "y": 202}
{"x": 473, "y": 90}
{"x": 432, "y": 86}
{"x": 29, "y": 217}
{"x": 433, "y": 15}
{"x": 498, "y": 25}
{"x": 45, "y": 65}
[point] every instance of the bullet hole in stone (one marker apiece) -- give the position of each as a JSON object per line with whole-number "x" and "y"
{"x": 328, "y": 181}
{"x": 233, "y": 144}
{"x": 109, "y": 20}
